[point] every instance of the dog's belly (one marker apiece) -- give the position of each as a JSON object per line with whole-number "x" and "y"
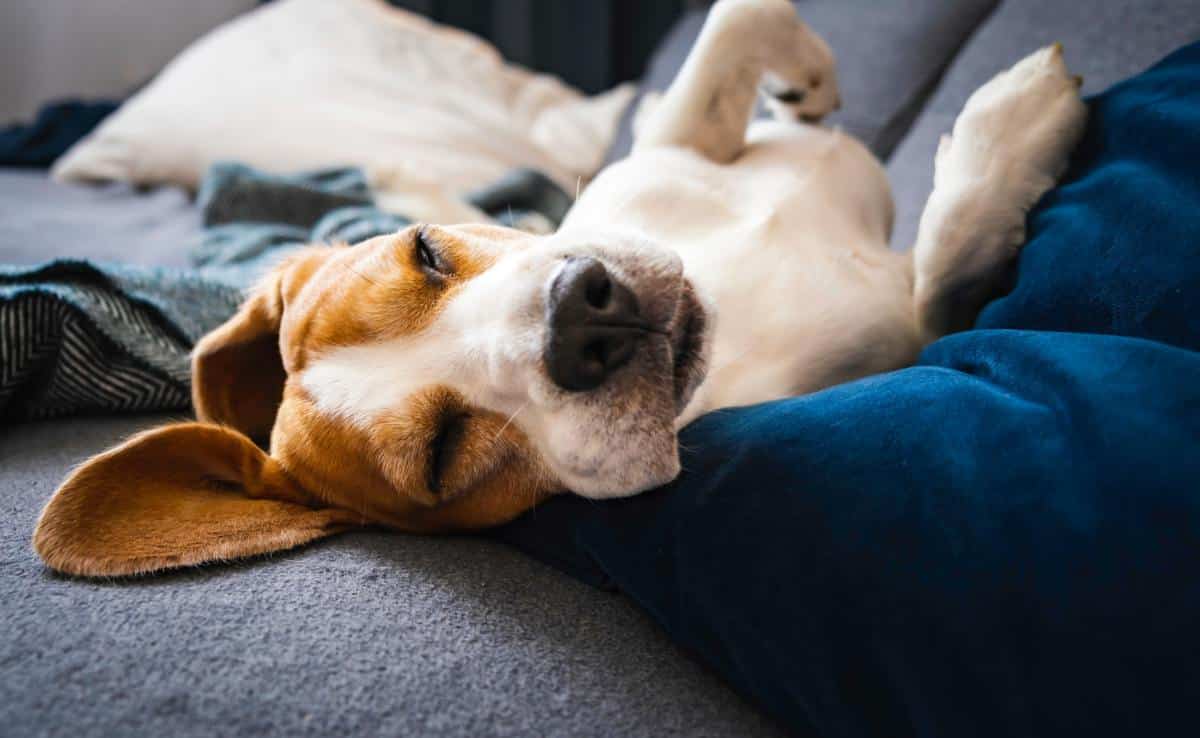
{"x": 789, "y": 243}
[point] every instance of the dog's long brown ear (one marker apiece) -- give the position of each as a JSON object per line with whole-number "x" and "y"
{"x": 177, "y": 496}
{"x": 237, "y": 370}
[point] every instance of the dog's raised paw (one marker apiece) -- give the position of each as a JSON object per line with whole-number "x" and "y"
{"x": 1022, "y": 125}
{"x": 1010, "y": 144}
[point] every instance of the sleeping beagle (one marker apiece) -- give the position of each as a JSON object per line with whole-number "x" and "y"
{"x": 451, "y": 377}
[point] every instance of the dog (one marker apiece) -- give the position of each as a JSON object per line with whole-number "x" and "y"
{"x": 449, "y": 378}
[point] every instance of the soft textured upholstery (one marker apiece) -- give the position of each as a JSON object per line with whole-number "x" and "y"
{"x": 368, "y": 634}
{"x": 116, "y": 222}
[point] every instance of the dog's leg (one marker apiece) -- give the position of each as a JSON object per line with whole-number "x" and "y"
{"x": 743, "y": 43}
{"x": 1009, "y": 146}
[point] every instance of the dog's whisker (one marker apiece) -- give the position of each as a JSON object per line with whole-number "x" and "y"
{"x": 511, "y": 418}
{"x": 360, "y": 274}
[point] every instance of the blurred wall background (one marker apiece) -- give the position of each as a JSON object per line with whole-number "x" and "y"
{"x": 94, "y": 48}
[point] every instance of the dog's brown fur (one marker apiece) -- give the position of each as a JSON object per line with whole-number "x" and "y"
{"x": 195, "y": 492}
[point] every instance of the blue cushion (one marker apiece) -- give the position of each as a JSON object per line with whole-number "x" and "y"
{"x": 1002, "y": 540}
{"x": 1114, "y": 250}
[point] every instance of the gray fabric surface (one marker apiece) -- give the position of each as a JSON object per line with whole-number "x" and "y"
{"x": 41, "y": 219}
{"x": 1104, "y": 40}
{"x": 365, "y": 634}
{"x": 889, "y": 57}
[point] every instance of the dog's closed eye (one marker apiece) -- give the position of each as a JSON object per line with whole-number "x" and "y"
{"x": 429, "y": 255}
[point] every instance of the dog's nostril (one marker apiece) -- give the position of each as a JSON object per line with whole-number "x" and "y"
{"x": 594, "y": 325}
{"x": 599, "y": 289}
{"x": 617, "y": 348}
{"x": 595, "y": 353}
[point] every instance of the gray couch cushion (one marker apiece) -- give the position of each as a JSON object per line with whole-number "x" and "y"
{"x": 114, "y": 222}
{"x": 889, "y": 58}
{"x": 365, "y": 634}
{"x": 1104, "y": 40}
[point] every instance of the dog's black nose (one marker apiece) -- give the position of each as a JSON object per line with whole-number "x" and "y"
{"x": 594, "y": 325}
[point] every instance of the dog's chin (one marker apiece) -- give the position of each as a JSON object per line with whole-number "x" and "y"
{"x": 660, "y": 471}
{"x": 629, "y": 444}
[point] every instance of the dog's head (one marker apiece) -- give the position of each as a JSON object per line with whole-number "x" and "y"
{"x": 442, "y": 378}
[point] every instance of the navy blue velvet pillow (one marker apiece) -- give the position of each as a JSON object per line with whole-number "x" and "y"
{"x": 1003, "y": 540}
{"x": 1114, "y": 249}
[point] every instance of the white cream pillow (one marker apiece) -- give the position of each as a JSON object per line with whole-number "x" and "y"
{"x": 299, "y": 84}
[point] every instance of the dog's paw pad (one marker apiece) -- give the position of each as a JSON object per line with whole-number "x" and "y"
{"x": 808, "y": 98}
{"x": 785, "y": 95}
{"x": 787, "y": 104}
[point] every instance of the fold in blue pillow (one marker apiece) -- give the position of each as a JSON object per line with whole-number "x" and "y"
{"x": 1003, "y": 540}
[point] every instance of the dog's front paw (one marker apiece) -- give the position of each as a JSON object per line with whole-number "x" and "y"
{"x": 1010, "y": 145}
{"x": 1018, "y": 130}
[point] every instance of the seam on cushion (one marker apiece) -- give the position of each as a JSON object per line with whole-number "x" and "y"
{"x": 900, "y": 124}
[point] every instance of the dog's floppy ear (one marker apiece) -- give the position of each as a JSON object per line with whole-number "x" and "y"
{"x": 177, "y": 496}
{"x": 237, "y": 370}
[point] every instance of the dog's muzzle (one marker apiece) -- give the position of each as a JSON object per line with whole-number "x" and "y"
{"x": 594, "y": 325}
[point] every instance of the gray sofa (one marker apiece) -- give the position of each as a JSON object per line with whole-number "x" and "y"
{"x": 377, "y": 633}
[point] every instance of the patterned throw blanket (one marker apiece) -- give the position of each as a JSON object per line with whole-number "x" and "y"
{"x": 85, "y": 337}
